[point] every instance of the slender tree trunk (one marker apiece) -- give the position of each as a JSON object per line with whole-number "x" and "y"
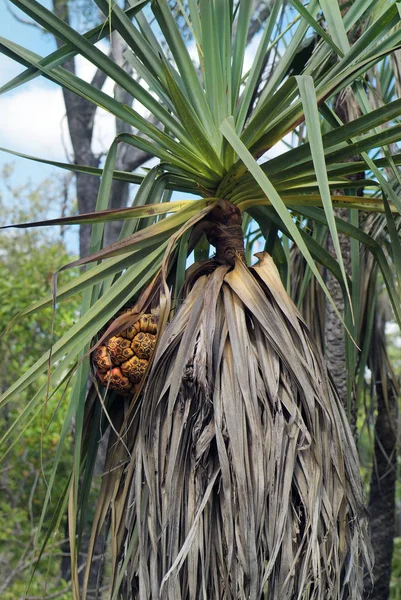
{"x": 382, "y": 506}
{"x": 80, "y": 119}
{"x": 347, "y": 110}
{"x": 382, "y": 488}
{"x": 128, "y": 157}
{"x": 334, "y": 346}
{"x": 382, "y": 491}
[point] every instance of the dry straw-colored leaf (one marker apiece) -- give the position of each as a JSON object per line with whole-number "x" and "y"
{"x": 246, "y": 481}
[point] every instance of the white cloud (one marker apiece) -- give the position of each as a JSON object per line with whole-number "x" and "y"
{"x": 84, "y": 68}
{"x": 32, "y": 120}
{"x": 104, "y": 131}
{"x": 250, "y": 53}
{"x": 8, "y": 69}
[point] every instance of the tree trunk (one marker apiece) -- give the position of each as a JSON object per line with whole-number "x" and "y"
{"x": 382, "y": 506}
{"x": 334, "y": 346}
{"x": 80, "y": 119}
{"x": 128, "y": 157}
{"x": 382, "y": 491}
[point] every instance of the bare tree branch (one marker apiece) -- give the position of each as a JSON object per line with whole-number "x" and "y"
{"x": 98, "y": 79}
{"x": 134, "y": 158}
{"x": 80, "y": 118}
{"x": 21, "y": 20}
{"x": 259, "y": 19}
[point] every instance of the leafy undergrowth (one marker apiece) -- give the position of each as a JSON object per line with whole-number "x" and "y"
{"x": 27, "y": 261}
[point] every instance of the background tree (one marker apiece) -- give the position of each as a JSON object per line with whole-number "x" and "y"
{"x": 27, "y": 263}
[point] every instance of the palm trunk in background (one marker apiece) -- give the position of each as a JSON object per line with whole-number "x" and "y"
{"x": 382, "y": 487}
{"x": 334, "y": 343}
{"x": 382, "y": 506}
{"x": 382, "y": 490}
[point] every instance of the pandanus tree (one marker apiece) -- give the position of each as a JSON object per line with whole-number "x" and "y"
{"x": 231, "y": 469}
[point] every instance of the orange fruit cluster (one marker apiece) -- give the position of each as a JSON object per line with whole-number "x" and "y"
{"x": 121, "y": 362}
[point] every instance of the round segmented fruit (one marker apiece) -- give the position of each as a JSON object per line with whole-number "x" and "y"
{"x": 148, "y": 324}
{"x": 115, "y": 380}
{"x": 122, "y": 361}
{"x": 130, "y": 332}
{"x": 143, "y": 345}
{"x": 134, "y": 368}
{"x": 119, "y": 350}
{"x": 102, "y": 360}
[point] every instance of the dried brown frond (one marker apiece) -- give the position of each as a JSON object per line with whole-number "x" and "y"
{"x": 244, "y": 481}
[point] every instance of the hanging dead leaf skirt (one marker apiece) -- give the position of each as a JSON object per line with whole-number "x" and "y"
{"x": 247, "y": 483}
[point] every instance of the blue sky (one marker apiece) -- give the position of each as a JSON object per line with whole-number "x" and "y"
{"x": 32, "y": 117}
{"x": 11, "y": 103}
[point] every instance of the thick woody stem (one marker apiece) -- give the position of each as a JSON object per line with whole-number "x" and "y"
{"x": 223, "y": 230}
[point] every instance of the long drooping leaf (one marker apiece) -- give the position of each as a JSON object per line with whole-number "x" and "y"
{"x": 254, "y": 74}
{"x": 293, "y": 115}
{"x": 395, "y": 242}
{"x": 377, "y": 31}
{"x": 186, "y": 67}
{"x": 120, "y": 175}
{"x": 244, "y": 17}
{"x": 159, "y": 231}
{"x": 297, "y": 4}
{"x": 193, "y": 124}
{"x": 266, "y": 216}
{"x": 282, "y": 68}
{"x": 342, "y": 134}
{"x": 332, "y": 13}
{"x": 89, "y": 92}
{"x": 121, "y": 21}
{"x": 108, "y": 215}
{"x": 308, "y": 98}
{"x": 97, "y": 274}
